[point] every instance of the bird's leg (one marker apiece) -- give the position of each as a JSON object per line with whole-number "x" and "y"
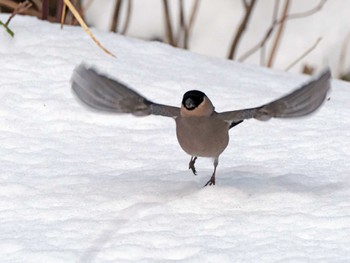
{"x": 212, "y": 178}
{"x": 191, "y": 164}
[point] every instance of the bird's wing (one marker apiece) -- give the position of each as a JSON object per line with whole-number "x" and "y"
{"x": 300, "y": 102}
{"x": 105, "y": 94}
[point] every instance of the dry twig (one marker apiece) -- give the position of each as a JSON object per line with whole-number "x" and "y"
{"x": 279, "y": 34}
{"x": 241, "y": 28}
{"x": 168, "y": 26}
{"x": 115, "y": 19}
{"x": 183, "y": 29}
{"x": 45, "y": 10}
{"x": 128, "y": 16}
{"x": 277, "y": 22}
{"x": 21, "y": 7}
{"x": 304, "y": 54}
{"x": 193, "y": 15}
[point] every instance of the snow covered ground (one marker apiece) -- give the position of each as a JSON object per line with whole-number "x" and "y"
{"x": 78, "y": 186}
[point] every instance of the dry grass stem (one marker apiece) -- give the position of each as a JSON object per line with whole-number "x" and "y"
{"x": 84, "y": 26}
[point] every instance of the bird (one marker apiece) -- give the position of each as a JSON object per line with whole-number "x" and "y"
{"x": 200, "y": 130}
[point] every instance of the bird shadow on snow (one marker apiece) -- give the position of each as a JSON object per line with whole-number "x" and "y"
{"x": 262, "y": 183}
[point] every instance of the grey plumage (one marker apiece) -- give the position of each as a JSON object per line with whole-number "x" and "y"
{"x": 201, "y": 131}
{"x": 300, "y": 102}
{"x": 105, "y": 94}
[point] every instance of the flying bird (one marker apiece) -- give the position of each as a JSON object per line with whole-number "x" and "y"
{"x": 200, "y": 130}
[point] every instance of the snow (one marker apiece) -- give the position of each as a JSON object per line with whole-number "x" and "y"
{"x": 78, "y": 186}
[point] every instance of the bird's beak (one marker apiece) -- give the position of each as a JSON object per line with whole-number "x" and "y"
{"x": 189, "y": 103}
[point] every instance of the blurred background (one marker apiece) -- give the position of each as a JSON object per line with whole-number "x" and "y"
{"x": 289, "y": 35}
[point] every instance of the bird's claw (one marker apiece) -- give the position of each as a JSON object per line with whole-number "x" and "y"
{"x": 211, "y": 181}
{"x": 191, "y": 165}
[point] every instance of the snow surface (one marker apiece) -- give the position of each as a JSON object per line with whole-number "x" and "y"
{"x": 78, "y": 186}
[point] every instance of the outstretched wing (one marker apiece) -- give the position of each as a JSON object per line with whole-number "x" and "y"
{"x": 105, "y": 94}
{"x": 300, "y": 102}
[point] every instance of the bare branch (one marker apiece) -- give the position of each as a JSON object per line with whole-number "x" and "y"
{"x": 127, "y": 19}
{"x": 309, "y": 12}
{"x": 21, "y": 7}
{"x": 241, "y": 29}
{"x": 274, "y": 24}
{"x": 115, "y": 19}
{"x": 168, "y": 26}
{"x": 45, "y": 10}
{"x": 37, "y": 4}
{"x": 279, "y": 34}
{"x": 245, "y": 3}
{"x": 304, "y": 54}
{"x": 193, "y": 15}
{"x": 183, "y": 31}
{"x": 59, "y": 11}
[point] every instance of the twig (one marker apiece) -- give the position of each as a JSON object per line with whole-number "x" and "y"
{"x": 45, "y": 10}
{"x": 168, "y": 26}
{"x": 127, "y": 19}
{"x": 277, "y": 22}
{"x": 279, "y": 34}
{"x": 63, "y": 15}
{"x": 37, "y": 4}
{"x": 73, "y": 20}
{"x": 59, "y": 10}
{"x": 245, "y": 3}
{"x": 21, "y": 7}
{"x": 309, "y": 12}
{"x": 115, "y": 19}
{"x": 304, "y": 54}
{"x": 12, "y": 5}
{"x": 193, "y": 16}
{"x": 240, "y": 30}
{"x": 263, "y": 47}
{"x": 183, "y": 30}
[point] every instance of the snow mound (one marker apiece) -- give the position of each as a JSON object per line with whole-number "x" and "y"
{"x": 77, "y": 186}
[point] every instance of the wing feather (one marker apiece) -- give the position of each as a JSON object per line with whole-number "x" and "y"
{"x": 301, "y": 102}
{"x": 102, "y": 93}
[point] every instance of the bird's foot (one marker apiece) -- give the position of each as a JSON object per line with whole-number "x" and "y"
{"x": 191, "y": 165}
{"x": 211, "y": 181}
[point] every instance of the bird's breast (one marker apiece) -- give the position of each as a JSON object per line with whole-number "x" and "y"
{"x": 202, "y": 136}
